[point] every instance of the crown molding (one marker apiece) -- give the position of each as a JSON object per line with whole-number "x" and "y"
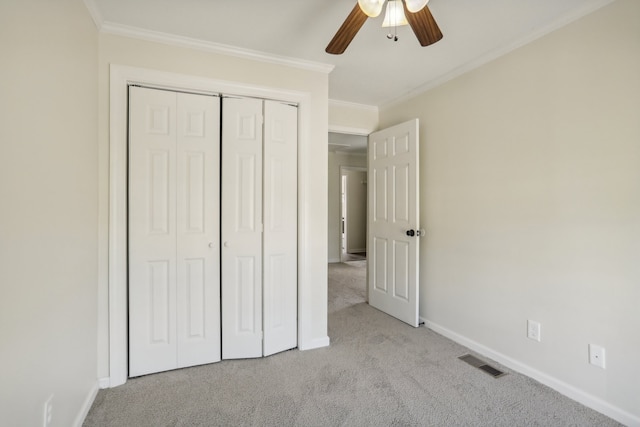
{"x": 207, "y": 46}
{"x": 495, "y": 54}
{"x": 94, "y": 12}
{"x": 354, "y": 105}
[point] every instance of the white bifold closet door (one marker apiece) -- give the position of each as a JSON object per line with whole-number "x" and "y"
{"x": 174, "y": 230}
{"x": 259, "y": 227}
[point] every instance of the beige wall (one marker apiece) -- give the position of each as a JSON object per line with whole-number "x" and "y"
{"x": 337, "y": 160}
{"x": 48, "y": 214}
{"x": 530, "y": 198}
{"x": 137, "y": 53}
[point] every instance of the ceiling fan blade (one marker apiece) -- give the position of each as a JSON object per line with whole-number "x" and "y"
{"x": 347, "y": 31}
{"x": 423, "y": 25}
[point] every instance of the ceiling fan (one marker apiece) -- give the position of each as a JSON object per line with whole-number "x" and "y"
{"x": 416, "y": 12}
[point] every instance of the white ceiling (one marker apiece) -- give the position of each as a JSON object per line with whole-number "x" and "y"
{"x": 373, "y": 70}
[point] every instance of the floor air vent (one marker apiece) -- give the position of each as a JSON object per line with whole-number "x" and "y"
{"x": 482, "y": 365}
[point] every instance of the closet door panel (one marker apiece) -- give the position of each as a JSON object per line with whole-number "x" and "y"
{"x": 241, "y": 214}
{"x": 174, "y": 256}
{"x": 280, "y": 232}
{"x": 152, "y": 232}
{"x": 198, "y": 228}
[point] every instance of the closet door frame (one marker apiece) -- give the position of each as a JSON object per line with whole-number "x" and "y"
{"x": 120, "y": 78}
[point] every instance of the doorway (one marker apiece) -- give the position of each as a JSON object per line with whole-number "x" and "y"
{"x": 353, "y": 213}
{"x": 346, "y": 151}
{"x": 184, "y": 202}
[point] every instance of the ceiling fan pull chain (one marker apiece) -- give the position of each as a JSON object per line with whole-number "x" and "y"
{"x": 394, "y": 19}
{"x": 389, "y": 35}
{"x": 395, "y": 23}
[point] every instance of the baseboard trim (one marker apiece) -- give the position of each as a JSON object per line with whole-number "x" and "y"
{"x": 568, "y": 390}
{"x": 104, "y": 383}
{"x": 315, "y": 343}
{"x": 334, "y": 260}
{"x": 86, "y": 406}
{"x": 357, "y": 251}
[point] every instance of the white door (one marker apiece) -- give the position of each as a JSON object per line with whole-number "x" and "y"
{"x": 259, "y": 228}
{"x": 198, "y": 227}
{"x": 242, "y": 228}
{"x": 174, "y": 300}
{"x": 280, "y": 285}
{"x": 393, "y": 241}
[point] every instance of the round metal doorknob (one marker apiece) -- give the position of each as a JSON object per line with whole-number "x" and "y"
{"x": 411, "y": 233}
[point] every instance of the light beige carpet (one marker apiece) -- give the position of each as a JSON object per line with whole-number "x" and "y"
{"x": 377, "y": 372}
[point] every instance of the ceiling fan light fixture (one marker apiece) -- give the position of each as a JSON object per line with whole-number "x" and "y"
{"x": 422, "y": 23}
{"x": 394, "y": 17}
{"x": 371, "y": 8}
{"x": 414, "y": 6}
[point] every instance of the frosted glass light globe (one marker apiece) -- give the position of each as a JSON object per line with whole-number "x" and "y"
{"x": 371, "y": 8}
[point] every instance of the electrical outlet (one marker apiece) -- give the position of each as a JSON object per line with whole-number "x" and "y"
{"x": 596, "y": 355}
{"x": 48, "y": 411}
{"x": 533, "y": 330}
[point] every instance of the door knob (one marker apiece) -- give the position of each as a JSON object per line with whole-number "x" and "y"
{"x": 211, "y": 245}
{"x": 411, "y": 233}
{"x": 226, "y": 244}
